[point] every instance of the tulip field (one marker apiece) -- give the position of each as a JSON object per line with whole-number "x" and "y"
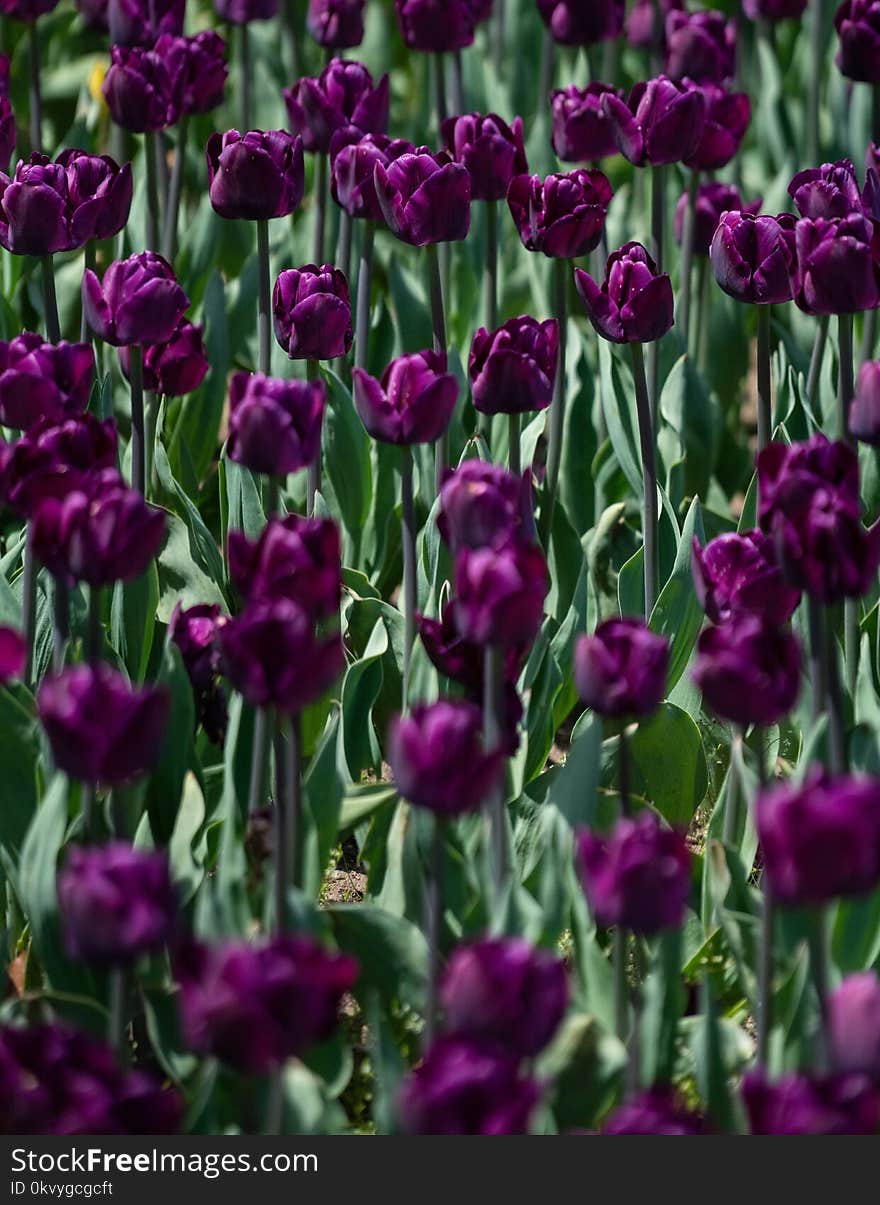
{"x": 440, "y": 567}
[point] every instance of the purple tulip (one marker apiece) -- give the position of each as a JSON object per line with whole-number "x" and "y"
{"x": 101, "y": 729}
{"x": 738, "y": 575}
{"x": 196, "y": 633}
{"x": 829, "y": 191}
{"x": 656, "y": 1112}
{"x": 482, "y": 505}
{"x": 94, "y": 14}
{"x": 26, "y": 10}
{"x": 513, "y": 369}
{"x": 774, "y": 10}
{"x": 749, "y": 670}
{"x": 491, "y": 150}
{"x": 43, "y": 380}
{"x": 8, "y": 131}
{"x": 753, "y": 257}
{"x": 343, "y": 96}
{"x": 352, "y": 174}
{"x": 854, "y": 1025}
{"x": 810, "y": 1104}
{"x": 621, "y": 669}
{"x": 255, "y": 176}
{"x": 506, "y": 991}
{"x": 240, "y": 12}
{"x": 727, "y": 119}
{"x": 412, "y": 404}
{"x": 582, "y": 132}
{"x": 336, "y": 24}
{"x": 836, "y": 271}
{"x": 573, "y": 23}
{"x": 634, "y": 304}
{"x": 858, "y": 26}
{"x": 52, "y": 459}
{"x": 138, "y": 302}
{"x": 175, "y": 368}
{"x": 273, "y": 658}
{"x": 294, "y": 558}
{"x": 462, "y": 660}
{"x": 639, "y": 877}
{"x": 562, "y": 216}
{"x": 98, "y": 195}
{"x": 789, "y": 473}
{"x": 56, "y": 1080}
{"x": 13, "y": 655}
{"x": 140, "y": 22}
{"x": 99, "y": 532}
{"x": 255, "y": 1006}
{"x": 864, "y": 413}
{"x": 116, "y": 903}
{"x": 660, "y": 122}
{"x": 200, "y": 62}
{"x": 643, "y": 30}
{"x": 425, "y": 197}
{"x": 464, "y": 1087}
{"x": 700, "y": 46}
{"x": 312, "y": 313}
{"x": 274, "y": 425}
{"x": 500, "y": 594}
{"x": 713, "y": 200}
{"x": 143, "y": 91}
{"x": 821, "y": 838}
{"x": 436, "y": 26}
{"x": 438, "y": 761}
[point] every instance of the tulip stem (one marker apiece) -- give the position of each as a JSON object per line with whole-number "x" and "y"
{"x": 491, "y": 265}
{"x": 244, "y": 85}
{"x": 116, "y": 1021}
{"x": 89, "y": 262}
{"x": 364, "y": 289}
{"x": 259, "y": 751}
{"x": 94, "y": 640}
{"x": 408, "y": 533}
{"x": 60, "y": 622}
{"x": 288, "y": 816}
{"x": 434, "y": 926}
{"x": 561, "y": 269}
{"x": 687, "y": 258}
{"x": 514, "y": 457}
{"x": 152, "y": 177}
{"x": 438, "y": 323}
{"x": 818, "y": 942}
{"x": 321, "y": 164}
{"x": 765, "y": 974}
{"x": 816, "y": 357}
{"x": 29, "y": 603}
{"x": 499, "y": 34}
{"x": 175, "y": 191}
{"x": 817, "y": 50}
{"x": 735, "y": 789}
{"x": 457, "y": 83}
{"x": 835, "y": 698}
{"x": 36, "y": 98}
{"x": 545, "y": 72}
{"x": 343, "y": 244}
{"x": 264, "y": 299}
{"x": 440, "y": 93}
{"x": 290, "y": 33}
{"x": 138, "y": 432}
{"x": 50, "y": 301}
{"x": 620, "y": 958}
{"x": 493, "y": 702}
{"x": 651, "y": 513}
{"x": 658, "y": 240}
{"x": 845, "y": 381}
{"x": 765, "y": 400}
{"x": 869, "y": 336}
{"x": 623, "y": 773}
{"x": 313, "y": 487}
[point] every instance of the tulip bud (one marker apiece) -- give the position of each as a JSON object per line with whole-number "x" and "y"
{"x": 438, "y": 761}
{"x": 27, "y": 10}
{"x": 43, "y": 380}
{"x": 336, "y": 24}
{"x": 352, "y": 182}
{"x": 436, "y": 26}
{"x": 753, "y": 257}
{"x": 425, "y": 198}
{"x": 810, "y": 1104}
{"x": 774, "y": 10}
{"x": 412, "y": 404}
{"x": 864, "y": 414}
{"x": 138, "y": 302}
{"x": 738, "y": 575}
{"x": 836, "y": 271}
{"x": 582, "y": 132}
{"x": 196, "y": 633}
{"x": 482, "y": 505}
{"x": 294, "y": 558}
{"x": 661, "y": 121}
{"x": 240, "y": 12}
{"x": 573, "y": 23}
{"x": 255, "y": 176}
{"x": 727, "y": 117}
{"x": 175, "y": 368}
{"x": 500, "y": 594}
{"x": 140, "y": 22}
{"x": 562, "y": 216}
{"x": 491, "y": 150}
{"x": 858, "y": 26}
{"x": 635, "y": 302}
{"x": 748, "y": 670}
{"x": 513, "y": 369}
{"x": 13, "y": 655}
{"x": 713, "y": 200}
{"x": 654, "y": 1113}
{"x": 52, "y": 459}
{"x": 274, "y": 425}
{"x": 646, "y": 23}
{"x": 854, "y": 1025}
{"x": 143, "y": 91}
{"x": 700, "y": 46}
{"x": 342, "y": 97}
{"x": 200, "y": 63}
{"x": 98, "y": 195}
{"x": 312, "y": 313}
{"x": 621, "y": 669}
{"x": 829, "y": 191}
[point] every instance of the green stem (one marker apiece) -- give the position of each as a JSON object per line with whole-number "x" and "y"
{"x": 835, "y": 699}
{"x": 175, "y": 191}
{"x": 291, "y": 35}
{"x": 457, "y": 83}
{"x": 845, "y": 380}
{"x": 651, "y": 514}
{"x": 94, "y": 627}
{"x": 244, "y": 88}
{"x": 89, "y": 261}
{"x": 493, "y": 701}
{"x": 818, "y": 941}
{"x": 765, "y": 401}
{"x": 499, "y": 34}
{"x": 491, "y": 272}
{"x": 153, "y": 222}
{"x": 138, "y": 431}
{"x": 321, "y": 164}
{"x": 343, "y": 245}
{"x": 259, "y": 751}
{"x": 29, "y": 604}
{"x": 687, "y": 258}
{"x": 817, "y": 50}
{"x": 545, "y": 71}
{"x": 514, "y": 457}
{"x": 117, "y": 1018}
{"x": 658, "y": 249}
{"x": 438, "y": 323}
{"x": 364, "y": 288}
{"x": 734, "y": 792}
{"x": 623, "y": 774}
{"x": 50, "y": 301}
{"x": 313, "y": 371}
{"x": 60, "y": 622}
{"x": 765, "y": 975}
{"x": 561, "y": 268}
{"x": 441, "y": 109}
{"x": 288, "y": 816}
{"x": 408, "y": 534}
{"x": 36, "y": 99}
{"x": 434, "y": 926}
{"x": 620, "y": 959}
{"x": 816, "y": 357}
{"x": 264, "y": 300}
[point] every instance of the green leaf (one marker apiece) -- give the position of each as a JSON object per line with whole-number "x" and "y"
{"x": 19, "y": 752}
{"x": 177, "y": 755}
{"x": 181, "y": 578}
{"x": 669, "y": 765}
{"x": 677, "y": 613}
{"x": 575, "y": 788}
{"x": 392, "y": 952}
{"x": 133, "y": 620}
{"x": 347, "y": 457}
{"x": 360, "y": 690}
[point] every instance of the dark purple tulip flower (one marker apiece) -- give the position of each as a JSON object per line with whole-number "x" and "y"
{"x": 482, "y": 10}
{"x": 728, "y": 115}
{"x": 43, "y": 380}
{"x": 854, "y": 1025}
{"x": 634, "y": 304}
{"x": 26, "y": 10}
{"x": 513, "y": 369}
{"x": 660, "y": 122}
{"x": 858, "y": 26}
{"x": 821, "y": 838}
{"x": 753, "y": 257}
{"x": 739, "y": 575}
{"x": 748, "y": 670}
{"x": 272, "y": 656}
{"x": 484, "y": 506}
{"x": 789, "y": 474}
{"x": 621, "y": 669}
{"x": 700, "y": 46}
{"x": 175, "y": 368}
{"x": 312, "y": 313}
{"x": 655, "y": 1112}
{"x": 101, "y": 729}
{"x": 436, "y": 26}
{"x": 196, "y": 633}
{"x": 491, "y": 150}
{"x": 836, "y": 271}
{"x": 100, "y": 532}
{"x": 774, "y": 10}
{"x": 811, "y": 1105}
{"x": 56, "y": 1080}
{"x": 8, "y": 131}
{"x": 462, "y": 660}
{"x": 48, "y": 207}
{"x": 582, "y": 132}
{"x": 140, "y": 22}
{"x": 829, "y": 191}
{"x": 504, "y": 990}
{"x": 116, "y": 903}
{"x": 138, "y": 302}
{"x": 425, "y": 197}
{"x": 437, "y": 758}
{"x": 142, "y": 90}
{"x": 255, "y": 176}
{"x": 255, "y": 1006}
{"x": 640, "y": 24}
{"x": 864, "y": 413}
{"x": 336, "y": 24}
{"x": 500, "y": 594}
{"x": 573, "y": 23}
{"x": 294, "y": 558}
{"x": 94, "y": 14}
{"x": 352, "y": 171}
{"x": 239, "y": 12}
{"x": 274, "y": 425}
{"x": 343, "y": 96}
{"x": 200, "y": 61}
{"x": 98, "y": 195}
{"x": 13, "y": 655}
{"x": 563, "y": 215}
{"x": 713, "y": 199}
{"x": 412, "y": 404}
{"x": 53, "y": 458}
{"x": 639, "y": 877}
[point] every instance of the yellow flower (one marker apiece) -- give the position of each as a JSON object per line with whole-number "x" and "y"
{"x": 96, "y": 80}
